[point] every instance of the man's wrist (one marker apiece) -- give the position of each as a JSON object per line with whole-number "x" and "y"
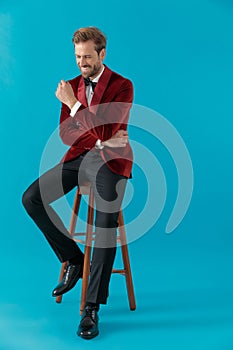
{"x": 72, "y": 103}
{"x": 99, "y": 145}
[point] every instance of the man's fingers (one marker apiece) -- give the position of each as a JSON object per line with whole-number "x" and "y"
{"x": 121, "y": 133}
{"x": 123, "y": 141}
{"x": 62, "y": 82}
{"x": 60, "y": 86}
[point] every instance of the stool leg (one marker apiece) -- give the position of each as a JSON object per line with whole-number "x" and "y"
{"x": 125, "y": 256}
{"x": 87, "y": 251}
{"x": 86, "y": 273}
{"x": 75, "y": 211}
{"x": 63, "y": 266}
{"x": 73, "y": 222}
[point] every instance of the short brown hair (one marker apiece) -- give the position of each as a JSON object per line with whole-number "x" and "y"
{"x": 90, "y": 33}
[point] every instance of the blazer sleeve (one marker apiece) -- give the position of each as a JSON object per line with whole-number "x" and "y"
{"x": 78, "y": 132}
{"x": 118, "y": 112}
{"x": 73, "y": 132}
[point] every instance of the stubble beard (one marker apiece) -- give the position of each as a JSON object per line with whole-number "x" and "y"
{"x": 96, "y": 69}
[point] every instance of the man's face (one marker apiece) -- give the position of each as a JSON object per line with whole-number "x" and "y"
{"x": 88, "y": 60}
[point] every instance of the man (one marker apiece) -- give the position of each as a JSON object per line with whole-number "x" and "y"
{"x": 93, "y": 122}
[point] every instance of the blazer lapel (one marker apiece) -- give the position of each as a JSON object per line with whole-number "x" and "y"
{"x": 99, "y": 89}
{"x": 81, "y": 95}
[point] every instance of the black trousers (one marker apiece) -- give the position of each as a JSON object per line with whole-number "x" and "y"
{"x": 108, "y": 190}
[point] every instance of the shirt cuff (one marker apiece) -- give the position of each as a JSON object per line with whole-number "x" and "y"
{"x": 75, "y": 108}
{"x": 98, "y": 145}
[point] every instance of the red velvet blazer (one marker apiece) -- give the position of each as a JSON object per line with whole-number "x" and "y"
{"x": 108, "y": 113}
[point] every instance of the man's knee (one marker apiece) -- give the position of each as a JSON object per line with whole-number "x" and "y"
{"x": 29, "y": 201}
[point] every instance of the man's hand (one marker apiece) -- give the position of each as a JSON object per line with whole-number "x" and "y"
{"x": 119, "y": 139}
{"x": 65, "y": 94}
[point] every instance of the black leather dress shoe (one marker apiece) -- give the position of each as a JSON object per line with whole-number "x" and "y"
{"x": 70, "y": 278}
{"x": 88, "y": 327}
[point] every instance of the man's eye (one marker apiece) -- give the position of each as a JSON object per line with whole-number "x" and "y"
{"x": 79, "y": 57}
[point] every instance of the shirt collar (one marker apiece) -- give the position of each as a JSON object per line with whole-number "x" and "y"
{"x": 96, "y": 79}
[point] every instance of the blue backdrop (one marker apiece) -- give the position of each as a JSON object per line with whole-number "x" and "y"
{"x": 179, "y": 56}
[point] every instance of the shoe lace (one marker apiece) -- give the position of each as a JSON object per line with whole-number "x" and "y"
{"x": 90, "y": 312}
{"x": 67, "y": 271}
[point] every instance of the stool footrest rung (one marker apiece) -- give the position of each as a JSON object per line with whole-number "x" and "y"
{"x": 80, "y": 241}
{"x": 122, "y": 271}
{"x": 81, "y": 234}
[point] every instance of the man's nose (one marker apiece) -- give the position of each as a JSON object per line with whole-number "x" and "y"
{"x": 82, "y": 61}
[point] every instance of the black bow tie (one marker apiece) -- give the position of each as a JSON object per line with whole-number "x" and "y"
{"x": 88, "y": 81}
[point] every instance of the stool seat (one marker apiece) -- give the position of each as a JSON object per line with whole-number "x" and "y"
{"x": 87, "y": 239}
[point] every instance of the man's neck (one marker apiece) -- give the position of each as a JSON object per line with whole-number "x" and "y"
{"x": 99, "y": 72}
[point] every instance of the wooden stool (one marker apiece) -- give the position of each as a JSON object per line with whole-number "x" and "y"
{"x": 86, "y": 189}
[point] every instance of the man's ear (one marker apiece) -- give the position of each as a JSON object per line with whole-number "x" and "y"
{"x": 102, "y": 54}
